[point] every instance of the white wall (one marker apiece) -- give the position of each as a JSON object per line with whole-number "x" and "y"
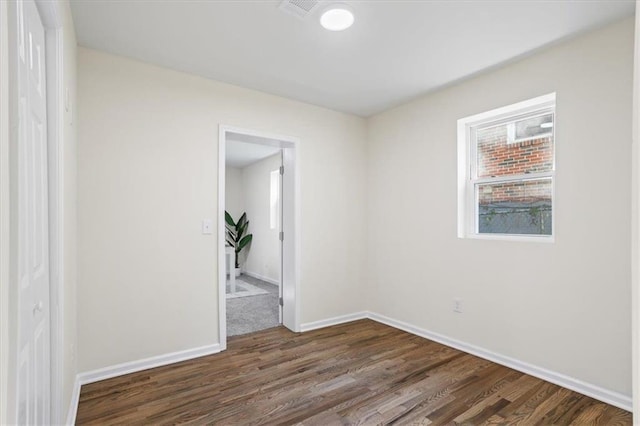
{"x": 233, "y": 193}
{"x": 563, "y": 306}
{"x": 147, "y": 171}
{"x": 263, "y": 257}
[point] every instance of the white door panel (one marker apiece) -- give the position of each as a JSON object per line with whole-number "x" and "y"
{"x": 33, "y": 386}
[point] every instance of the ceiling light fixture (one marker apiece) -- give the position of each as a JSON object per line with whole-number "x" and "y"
{"x": 547, "y": 125}
{"x": 337, "y": 17}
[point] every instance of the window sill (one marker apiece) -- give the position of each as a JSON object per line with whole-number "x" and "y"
{"x": 511, "y": 237}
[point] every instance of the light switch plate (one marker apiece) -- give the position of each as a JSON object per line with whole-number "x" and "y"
{"x": 207, "y": 226}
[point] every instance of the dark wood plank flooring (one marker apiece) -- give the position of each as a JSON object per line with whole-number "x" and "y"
{"x": 357, "y": 373}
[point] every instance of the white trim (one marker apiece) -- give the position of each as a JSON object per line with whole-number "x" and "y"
{"x": 145, "y": 364}
{"x": 514, "y": 178}
{"x": 512, "y": 110}
{"x": 463, "y": 201}
{"x": 55, "y": 120}
{"x": 4, "y": 213}
{"x": 334, "y": 321}
{"x": 222, "y": 279}
{"x": 614, "y": 398}
{"x": 56, "y": 218}
{"x": 545, "y": 239}
{"x": 54, "y": 57}
{"x": 635, "y": 227}
{"x": 262, "y": 278}
{"x": 72, "y": 411}
{"x": 292, "y": 231}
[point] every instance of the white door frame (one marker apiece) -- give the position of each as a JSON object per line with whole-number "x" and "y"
{"x": 51, "y": 17}
{"x": 290, "y": 226}
{"x": 4, "y": 214}
{"x": 635, "y": 229}
{"x": 52, "y": 20}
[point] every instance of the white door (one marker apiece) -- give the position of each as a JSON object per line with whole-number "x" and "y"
{"x": 289, "y": 258}
{"x": 33, "y": 379}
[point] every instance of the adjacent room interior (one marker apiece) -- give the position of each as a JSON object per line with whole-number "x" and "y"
{"x": 305, "y": 212}
{"x": 252, "y": 203}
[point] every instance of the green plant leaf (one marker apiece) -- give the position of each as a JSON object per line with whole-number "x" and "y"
{"x": 231, "y": 243}
{"x": 231, "y": 232}
{"x": 229, "y": 219}
{"x": 243, "y": 242}
{"x": 242, "y": 220}
{"x": 242, "y": 229}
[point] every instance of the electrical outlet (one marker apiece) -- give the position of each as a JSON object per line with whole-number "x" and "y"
{"x": 457, "y": 305}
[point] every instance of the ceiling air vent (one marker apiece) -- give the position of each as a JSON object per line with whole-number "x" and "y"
{"x": 299, "y": 8}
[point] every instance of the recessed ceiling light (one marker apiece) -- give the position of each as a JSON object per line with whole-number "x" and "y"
{"x": 337, "y": 17}
{"x": 547, "y": 125}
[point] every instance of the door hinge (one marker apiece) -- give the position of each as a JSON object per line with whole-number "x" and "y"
{"x": 281, "y": 236}
{"x": 281, "y": 302}
{"x": 281, "y": 170}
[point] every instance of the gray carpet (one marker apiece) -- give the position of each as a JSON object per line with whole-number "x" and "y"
{"x": 253, "y": 313}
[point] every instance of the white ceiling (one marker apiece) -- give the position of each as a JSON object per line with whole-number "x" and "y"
{"x": 395, "y": 51}
{"x": 242, "y": 154}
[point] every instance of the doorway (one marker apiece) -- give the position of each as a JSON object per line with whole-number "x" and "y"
{"x": 268, "y": 261}
{"x": 253, "y": 225}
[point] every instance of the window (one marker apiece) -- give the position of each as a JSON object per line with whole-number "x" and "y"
{"x": 506, "y": 172}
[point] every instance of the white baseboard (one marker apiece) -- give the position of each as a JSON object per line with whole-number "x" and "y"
{"x": 73, "y": 404}
{"x": 333, "y": 321}
{"x": 614, "y": 398}
{"x": 261, "y": 277}
{"x": 145, "y": 364}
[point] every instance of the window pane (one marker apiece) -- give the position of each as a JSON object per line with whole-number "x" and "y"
{"x": 518, "y": 147}
{"x": 534, "y": 127}
{"x": 520, "y": 207}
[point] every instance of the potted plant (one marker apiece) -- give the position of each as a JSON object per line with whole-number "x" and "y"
{"x": 236, "y": 237}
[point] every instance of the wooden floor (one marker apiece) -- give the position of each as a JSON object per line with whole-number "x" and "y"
{"x": 357, "y": 373}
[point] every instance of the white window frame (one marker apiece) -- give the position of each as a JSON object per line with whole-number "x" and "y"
{"x": 467, "y": 180}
